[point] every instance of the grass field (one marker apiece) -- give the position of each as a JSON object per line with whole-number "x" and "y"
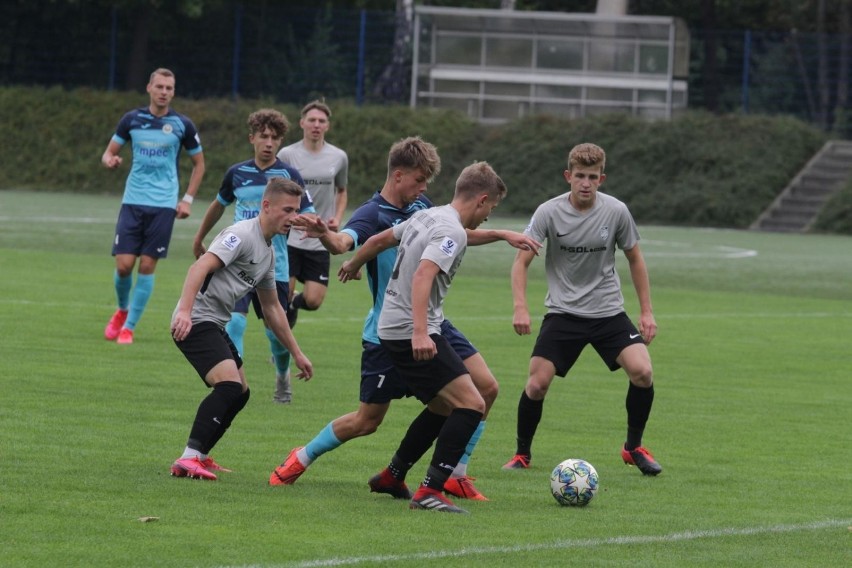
{"x": 751, "y": 421}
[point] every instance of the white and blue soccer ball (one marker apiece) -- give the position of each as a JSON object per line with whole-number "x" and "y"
{"x": 574, "y": 482}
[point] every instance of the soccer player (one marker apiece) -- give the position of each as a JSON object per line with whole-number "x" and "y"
{"x": 244, "y": 184}
{"x": 412, "y": 164}
{"x": 240, "y": 259}
{"x": 584, "y": 302}
{"x": 150, "y": 203}
{"x": 431, "y": 245}
{"x": 325, "y": 169}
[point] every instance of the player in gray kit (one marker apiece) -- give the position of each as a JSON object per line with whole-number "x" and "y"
{"x": 584, "y": 302}
{"x": 325, "y": 169}
{"x": 432, "y": 244}
{"x": 239, "y": 259}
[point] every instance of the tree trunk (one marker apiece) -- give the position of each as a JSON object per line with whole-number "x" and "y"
{"x": 137, "y": 68}
{"x": 392, "y": 85}
{"x": 824, "y": 96}
{"x": 710, "y": 73}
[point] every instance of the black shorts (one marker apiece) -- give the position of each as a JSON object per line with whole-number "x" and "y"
{"x": 562, "y": 338}
{"x": 242, "y": 304}
{"x": 206, "y": 346}
{"x": 381, "y": 383}
{"x": 141, "y": 229}
{"x": 309, "y": 265}
{"x": 425, "y": 378}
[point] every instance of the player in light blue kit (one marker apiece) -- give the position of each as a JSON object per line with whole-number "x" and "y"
{"x": 243, "y": 185}
{"x": 150, "y": 203}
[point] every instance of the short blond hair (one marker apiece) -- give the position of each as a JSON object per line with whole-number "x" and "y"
{"x": 278, "y": 186}
{"x": 161, "y": 71}
{"x": 318, "y": 105}
{"x": 479, "y": 178}
{"x": 586, "y": 155}
{"x": 414, "y": 153}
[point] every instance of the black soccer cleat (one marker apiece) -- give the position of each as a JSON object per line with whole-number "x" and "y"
{"x": 641, "y": 458}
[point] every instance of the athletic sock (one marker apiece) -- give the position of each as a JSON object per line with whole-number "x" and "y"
{"x": 231, "y": 413}
{"x": 529, "y": 415}
{"x": 323, "y": 442}
{"x": 298, "y": 303}
{"x": 236, "y": 330}
{"x": 279, "y": 353}
{"x": 211, "y": 414}
{"x": 461, "y": 468}
{"x": 123, "y": 284}
{"x": 139, "y": 299}
{"x": 450, "y": 445}
{"x": 638, "y": 403}
{"x": 421, "y": 434}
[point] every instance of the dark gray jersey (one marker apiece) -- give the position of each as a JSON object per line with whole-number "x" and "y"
{"x": 580, "y": 256}
{"x": 249, "y": 263}
{"x": 434, "y": 234}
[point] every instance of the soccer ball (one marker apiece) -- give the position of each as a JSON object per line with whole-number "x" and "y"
{"x": 574, "y": 482}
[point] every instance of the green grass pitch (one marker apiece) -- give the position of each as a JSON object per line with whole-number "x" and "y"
{"x": 751, "y": 421}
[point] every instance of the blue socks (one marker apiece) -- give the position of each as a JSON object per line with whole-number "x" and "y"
{"x": 236, "y": 329}
{"x": 324, "y": 442}
{"x": 279, "y": 353}
{"x": 139, "y": 299}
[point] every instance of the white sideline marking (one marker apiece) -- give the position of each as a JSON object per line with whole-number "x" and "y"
{"x": 564, "y": 544}
{"x": 713, "y": 251}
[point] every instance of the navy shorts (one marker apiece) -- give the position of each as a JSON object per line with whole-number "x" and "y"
{"x": 206, "y": 346}
{"x": 309, "y": 265}
{"x": 562, "y": 338}
{"x": 143, "y": 230}
{"x": 425, "y": 378}
{"x": 242, "y": 304}
{"x": 380, "y": 382}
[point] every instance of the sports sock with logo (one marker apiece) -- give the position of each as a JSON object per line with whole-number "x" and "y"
{"x": 139, "y": 299}
{"x": 450, "y": 445}
{"x": 638, "y": 403}
{"x": 231, "y": 413}
{"x": 211, "y": 414}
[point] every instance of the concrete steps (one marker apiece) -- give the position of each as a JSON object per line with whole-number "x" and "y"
{"x": 800, "y": 203}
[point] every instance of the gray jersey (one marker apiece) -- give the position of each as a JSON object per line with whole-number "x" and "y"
{"x": 323, "y": 173}
{"x": 249, "y": 263}
{"x": 433, "y": 234}
{"x": 580, "y": 257}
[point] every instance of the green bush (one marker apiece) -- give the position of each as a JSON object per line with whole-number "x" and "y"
{"x": 697, "y": 169}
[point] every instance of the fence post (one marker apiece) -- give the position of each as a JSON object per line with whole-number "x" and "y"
{"x": 362, "y": 40}
{"x": 746, "y": 69}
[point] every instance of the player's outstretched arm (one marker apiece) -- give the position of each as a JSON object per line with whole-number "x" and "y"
{"x": 314, "y": 227}
{"x": 211, "y": 217}
{"x": 367, "y": 252}
{"x": 476, "y": 237}
{"x": 275, "y": 317}
{"x": 521, "y": 312}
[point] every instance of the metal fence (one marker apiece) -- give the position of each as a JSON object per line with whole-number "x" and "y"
{"x": 260, "y": 50}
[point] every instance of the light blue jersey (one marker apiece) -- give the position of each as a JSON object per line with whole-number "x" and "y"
{"x": 156, "y": 142}
{"x": 244, "y": 184}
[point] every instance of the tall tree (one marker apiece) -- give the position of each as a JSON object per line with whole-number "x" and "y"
{"x": 393, "y": 82}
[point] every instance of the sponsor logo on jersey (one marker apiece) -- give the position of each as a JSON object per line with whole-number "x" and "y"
{"x": 582, "y": 249}
{"x": 448, "y": 246}
{"x": 230, "y": 241}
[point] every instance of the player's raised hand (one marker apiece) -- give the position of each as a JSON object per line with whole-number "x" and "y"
{"x": 312, "y": 225}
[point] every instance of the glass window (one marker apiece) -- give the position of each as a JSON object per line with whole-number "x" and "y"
{"x": 509, "y": 89}
{"x": 554, "y": 54}
{"x": 610, "y": 57}
{"x": 447, "y": 86}
{"x": 458, "y": 50}
{"x": 508, "y": 52}
{"x": 606, "y": 94}
{"x": 557, "y": 92}
{"x": 654, "y": 59}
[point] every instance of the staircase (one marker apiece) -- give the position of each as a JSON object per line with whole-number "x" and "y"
{"x": 795, "y": 210}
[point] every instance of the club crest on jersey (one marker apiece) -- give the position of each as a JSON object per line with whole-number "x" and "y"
{"x": 448, "y": 246}
{"x": 604, "y": 232}
{"x": 230, "y": 241}
{"x": 167, "y": 129}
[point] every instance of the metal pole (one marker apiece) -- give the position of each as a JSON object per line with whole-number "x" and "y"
{"x": 113, "y": 41}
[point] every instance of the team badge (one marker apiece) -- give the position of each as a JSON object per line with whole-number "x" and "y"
{"x": 604, "y": 232}
{"x": 167, "y": 129}
{"x": 448, "y": 246}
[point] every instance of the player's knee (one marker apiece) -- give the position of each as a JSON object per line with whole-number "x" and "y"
{"x": 642, "y": 377}
{"x": 536, "y": 390}
{"x": 367, "y": 426}
{"x": 489, "y": 392}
